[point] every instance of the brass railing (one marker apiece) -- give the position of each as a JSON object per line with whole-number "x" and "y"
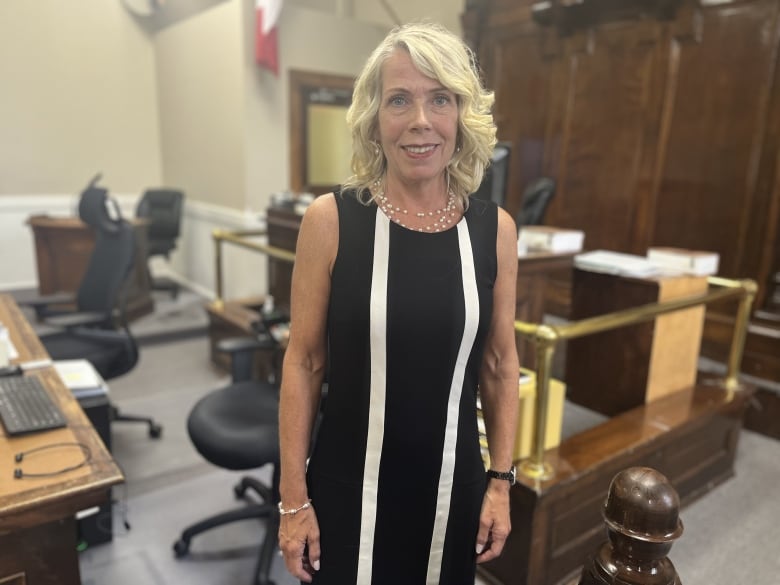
{"x": 547, "y": 336}
{"x": 240, "y": 238}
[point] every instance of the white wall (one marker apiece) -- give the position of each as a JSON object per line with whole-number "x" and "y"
{"x": 192, "y": 262}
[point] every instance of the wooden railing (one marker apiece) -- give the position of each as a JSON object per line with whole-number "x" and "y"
{"x": 241, "y": 239}
{"x": 546, "y": 337}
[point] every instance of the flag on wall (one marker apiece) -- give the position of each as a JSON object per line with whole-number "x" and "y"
{"x": 266, "y": 46}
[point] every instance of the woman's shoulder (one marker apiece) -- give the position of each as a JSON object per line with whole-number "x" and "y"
{"x": 321, "y": 213}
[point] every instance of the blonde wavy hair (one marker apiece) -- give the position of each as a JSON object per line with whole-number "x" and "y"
{"x": 439, "y": 54}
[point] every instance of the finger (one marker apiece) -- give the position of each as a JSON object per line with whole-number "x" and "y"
{"x": 295, "y": 566}
{"x": 313, "y": 544}
{"x": 482, "y": 536}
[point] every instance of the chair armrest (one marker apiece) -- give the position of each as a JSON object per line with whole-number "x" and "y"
{"x": 42, "y": 304}
{"x": 241, "y": 350}
{"x": 70, "y": 320}
{"x": 234, "y": 345}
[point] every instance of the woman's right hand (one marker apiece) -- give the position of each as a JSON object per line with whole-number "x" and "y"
{"x": 299, "y": 543}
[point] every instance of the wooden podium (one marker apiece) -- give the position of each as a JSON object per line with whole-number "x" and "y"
{"x": 614, "y": 371}
{"x": 63, "y": 246}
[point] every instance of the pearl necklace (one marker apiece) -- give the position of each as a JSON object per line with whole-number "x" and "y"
{"x": 443, "y": 216}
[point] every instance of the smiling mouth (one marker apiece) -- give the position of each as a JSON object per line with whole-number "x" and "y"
{"x": 419, "y": 149}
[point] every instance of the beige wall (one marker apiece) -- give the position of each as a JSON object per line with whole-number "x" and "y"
{"x": 77, "y": 96}
{"x": 84, "y": 89}
{"x": 309, "y": 40}
{"x": 225, "y": 121}
{"x": 447, "y": 12}
{"x": 200, "y": 80}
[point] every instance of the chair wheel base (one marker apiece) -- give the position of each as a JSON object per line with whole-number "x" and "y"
{"x": 181, "y": 547}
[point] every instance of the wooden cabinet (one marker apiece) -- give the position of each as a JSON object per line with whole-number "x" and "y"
{"x": 617, "y": 370}
{"x": 659, "y": 121}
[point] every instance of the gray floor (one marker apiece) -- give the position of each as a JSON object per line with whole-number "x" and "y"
{"x": 730, "y": 537}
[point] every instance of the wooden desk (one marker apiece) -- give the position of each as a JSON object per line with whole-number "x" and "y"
{"x": 37, "y": 515}
{"x": 63, "y": 246}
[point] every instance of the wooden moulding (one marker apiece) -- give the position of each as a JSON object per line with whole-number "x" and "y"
{"x": 690, "y": 437}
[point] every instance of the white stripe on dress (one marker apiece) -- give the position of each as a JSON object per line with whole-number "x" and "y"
{"x": 376, "y": 410}
{"x": 471, "y": 306}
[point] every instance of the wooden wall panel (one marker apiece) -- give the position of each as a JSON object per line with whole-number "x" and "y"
{"x": 661, "y": 127}
{"x": 523, "y": 99}
{"x": 602, "y": 141}
{"x": 708, "y": 179}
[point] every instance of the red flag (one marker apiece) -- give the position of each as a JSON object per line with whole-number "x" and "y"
{"x": 266, "y": 41}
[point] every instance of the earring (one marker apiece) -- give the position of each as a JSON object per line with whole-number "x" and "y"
{"x": 376, "y": 148}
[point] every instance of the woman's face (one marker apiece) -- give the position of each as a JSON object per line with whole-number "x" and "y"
{"x": 418, "y": 121}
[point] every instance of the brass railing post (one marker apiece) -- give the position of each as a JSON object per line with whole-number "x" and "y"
{"x": 217, "y": 237}
{"x": 535, "y": 467}
{"x": 737, "y": 348}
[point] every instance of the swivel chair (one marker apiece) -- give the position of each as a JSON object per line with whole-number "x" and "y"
{"x": 536, "y": 198}
{"x": 237, "y": 428}
{"x": 494, "y": 182}
{"x": 162, "y": 207}
{"x": 97, "y": 329}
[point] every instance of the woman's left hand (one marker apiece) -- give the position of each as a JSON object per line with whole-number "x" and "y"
{"x": 494, "y": 522}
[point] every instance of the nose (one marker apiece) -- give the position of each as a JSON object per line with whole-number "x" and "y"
{"x": 420, "y": 116}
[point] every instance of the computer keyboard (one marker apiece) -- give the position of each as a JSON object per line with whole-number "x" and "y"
{"x": 26, "y": 407}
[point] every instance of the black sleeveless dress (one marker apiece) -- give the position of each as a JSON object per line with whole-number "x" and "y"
{"x": 396, "y": 475}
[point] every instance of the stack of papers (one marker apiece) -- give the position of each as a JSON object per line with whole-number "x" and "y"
{"x": 7, "y": 349}
{"x": 542, "y": 238}
{"x": 695, "y": 262}
{"x": 81, "y": 378}
{"x": 616, "y": 263}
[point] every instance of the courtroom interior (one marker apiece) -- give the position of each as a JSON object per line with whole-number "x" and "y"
{"x": 157, "y": 159}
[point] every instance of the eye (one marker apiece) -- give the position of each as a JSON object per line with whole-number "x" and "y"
{"x": 441, "y": 99}
{"x": 397, "y": 100}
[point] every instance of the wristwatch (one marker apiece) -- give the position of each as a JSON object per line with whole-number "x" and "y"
{"x": 510, "y": 476}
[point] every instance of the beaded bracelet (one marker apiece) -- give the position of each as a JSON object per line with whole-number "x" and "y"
{"x": 293, "y": 511}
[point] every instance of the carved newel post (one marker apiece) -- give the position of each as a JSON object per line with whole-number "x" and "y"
{"x": 642, "y": 517}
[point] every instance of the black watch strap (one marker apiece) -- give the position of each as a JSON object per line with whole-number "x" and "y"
{"x": 509, "y": 476}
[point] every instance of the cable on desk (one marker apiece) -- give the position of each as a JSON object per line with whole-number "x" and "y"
{"x": 19, "y": 457}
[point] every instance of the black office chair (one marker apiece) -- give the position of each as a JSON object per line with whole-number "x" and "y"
{"x": 163, "y": 208}
{"x": 536, "y": 198}
{"x": 237, "y": 428}
{"x": 494, "y": 182}
{"x": 97, "y": 329}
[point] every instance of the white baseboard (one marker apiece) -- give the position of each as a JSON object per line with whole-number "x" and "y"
{"x": 192, "y": 263}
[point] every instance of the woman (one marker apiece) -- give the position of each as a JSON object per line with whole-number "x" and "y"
{"x": 405, "y": 289}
